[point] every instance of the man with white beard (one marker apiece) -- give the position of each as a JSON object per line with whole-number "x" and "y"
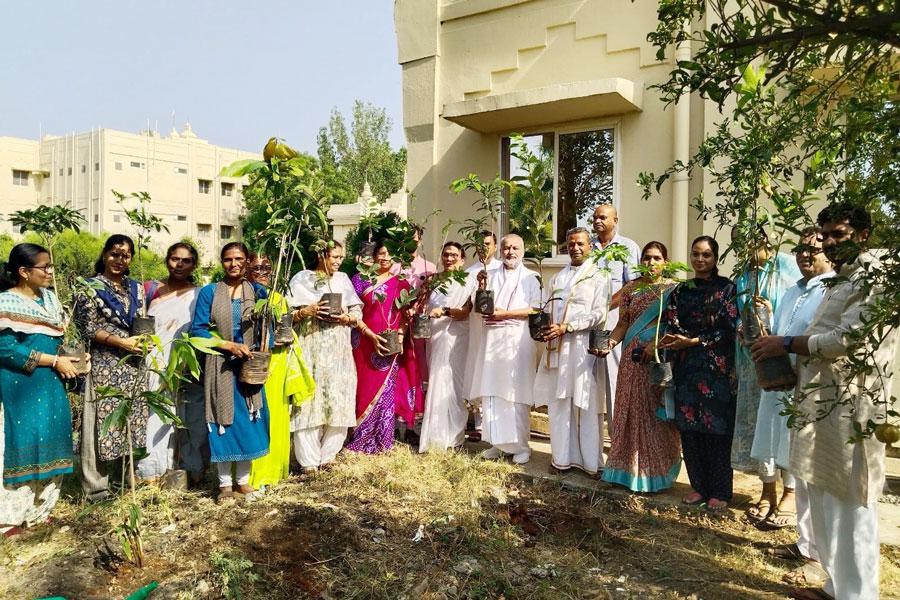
{"x": 565, "y": 379}
{"x": 503, "y": 365}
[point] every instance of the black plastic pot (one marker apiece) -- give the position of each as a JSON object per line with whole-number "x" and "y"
{"x": 284, "y": 330}
{"x": 421, "y": 327}
{"x": 143, "y": 326}
{"x": 76, "y": 351}
{"x": 537, "y": 322}
{"x": 599, "y": 341}
{"x": 333, "y": 301}
{"x": 661, "y": 374}
{"x": 391, "y": 339}
{"x": 255, "y": 370}
{"x": 776, "y": 374}
{"x": 484, "y": 302}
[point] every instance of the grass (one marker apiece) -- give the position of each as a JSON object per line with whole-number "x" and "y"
{"x": 402, "y": 525}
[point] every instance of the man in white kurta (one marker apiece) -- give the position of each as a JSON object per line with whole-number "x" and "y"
{"x": 844, "y": 480}
{"x": 565, "y": 379}
{"x": 503, "y": 363}
{"x": 444, "y": 421}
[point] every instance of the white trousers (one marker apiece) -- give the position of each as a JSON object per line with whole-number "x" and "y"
{"x": 805, "y": 540}
{"x": 506, "y": 425}
{"x": 846, "y": 536}
{"x": 575, "y": 436}
{"x": 241, "y": 473}
{"x": 318, "y": 446}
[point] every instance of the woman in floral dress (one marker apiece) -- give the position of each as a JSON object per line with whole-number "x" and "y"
{"x": 701, "y": 318}
{"x": 645, "y": 454}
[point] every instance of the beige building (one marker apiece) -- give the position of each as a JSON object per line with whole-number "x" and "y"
{"x": 180, "y": 171}
{"x": 574, "y": 76}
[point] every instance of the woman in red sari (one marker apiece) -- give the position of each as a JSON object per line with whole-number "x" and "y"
{"x": 387, "y": 386}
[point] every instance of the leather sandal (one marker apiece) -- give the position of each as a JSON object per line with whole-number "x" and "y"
{"x": 759, "y": 511}
{"x": 778, "y": 519}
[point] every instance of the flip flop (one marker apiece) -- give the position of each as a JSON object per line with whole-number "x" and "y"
{"x": 785, "y": 552}
{"x": 720, "y": 506}
{"x": 808, "y": 574}
{"x": 758, "y": 512}
{"x": 778, "y": 519}
{"x": 693, "y": 499}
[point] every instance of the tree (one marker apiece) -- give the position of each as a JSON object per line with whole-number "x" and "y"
{"x": 814, "y": 85}
{"x": 350, "y": 158}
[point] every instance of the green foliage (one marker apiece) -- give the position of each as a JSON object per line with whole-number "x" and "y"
{"x": 351, "y": 157}
{"x": 487, "y": 210}
{"x": 234, "y": 574}
{"x": 145, "y": 222}
{"x": 814, "y": 86}
{"x": 531, "y": 201}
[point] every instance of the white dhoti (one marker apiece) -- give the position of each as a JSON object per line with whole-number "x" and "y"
{"x": 506, "y": 425}
{"x": 575, "y": 436}
{"x": 846, "y": 537}
{"x": 317, "y": 446}
{"x": 805, "y": 540}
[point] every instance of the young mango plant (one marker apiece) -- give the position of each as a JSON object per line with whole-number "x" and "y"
{"x": 48, "y": 222}
{"x": 144, "y": 223}
{"x": 486, "y": 218}
{"x": 657, "y": 276}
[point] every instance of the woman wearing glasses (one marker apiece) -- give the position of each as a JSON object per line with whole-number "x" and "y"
{"x": 105, "y": 317}
{"x": 36, "y": 435}
{"x": 172, "y": 302}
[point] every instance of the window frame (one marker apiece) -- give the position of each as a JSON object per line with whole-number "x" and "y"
{"x": 18, "y": 180}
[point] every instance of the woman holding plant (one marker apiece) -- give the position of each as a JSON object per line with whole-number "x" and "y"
{"x": 288, "y": 378}
{"x": 105, "y": 316}
{"x": 320, "y": 425}
{"x": 700, "y": 316}
{"x": 387, "y": 384}
{"x": 171, "y": 303}
{"x": 645, "y": 454}
{"x": 236, "y": 413}
{"x": 37, "y": 422}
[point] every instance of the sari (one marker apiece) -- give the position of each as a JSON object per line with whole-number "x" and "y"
{"x": 36, "y": 436}
{"x": 387, "y": 386}
{"x": 173, "y": 317}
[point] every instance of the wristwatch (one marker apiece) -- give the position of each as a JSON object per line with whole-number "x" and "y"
{"x": 786, "y": 343}
{"x": 445, "y": 311}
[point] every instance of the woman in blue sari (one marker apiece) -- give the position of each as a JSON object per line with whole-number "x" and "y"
{"x": 644, "y": 454}
{"x": 37, "y": 421}
{"x": 236, "y": 414}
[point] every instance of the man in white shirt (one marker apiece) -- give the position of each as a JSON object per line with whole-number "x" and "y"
{"x": 844, "y": 480}
{"x": 606, "y": 226}
{"x": 503, "y": 360}
{"x": 565, "y": 379}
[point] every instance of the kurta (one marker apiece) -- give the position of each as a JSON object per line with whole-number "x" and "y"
{"x": 775, "y": 277}
{"x": 328, "y": 353}
{"x": 474, "y": 321}
{"x": 645, "y": 453}
{"x": 704, "y": 375}
{"x": 38, "y": 419}
{"x": 565, "y": 378}
{"x": 93, "y": 314}
{"x": 247, "y": 437}
{"x": 793, "y": 317}
{"x": 444, "y": 421}
{"x": 503, "y": 361}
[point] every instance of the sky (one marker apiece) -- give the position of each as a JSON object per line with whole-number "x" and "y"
{"x": 240, "y": 72}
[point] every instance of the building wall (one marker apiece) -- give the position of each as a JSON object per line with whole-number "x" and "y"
{"x": 456, "y": 50}
{"x": 82, "y": 169}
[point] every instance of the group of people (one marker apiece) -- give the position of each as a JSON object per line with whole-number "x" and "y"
{"x": 673, "y": 376}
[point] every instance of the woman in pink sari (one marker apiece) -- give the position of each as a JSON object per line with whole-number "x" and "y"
{"x": 387, "y": 386}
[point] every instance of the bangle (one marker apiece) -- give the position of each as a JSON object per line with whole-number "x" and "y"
{"x": 55, "y": 359}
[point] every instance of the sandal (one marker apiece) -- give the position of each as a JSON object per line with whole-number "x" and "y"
{"x": 809, "y": 594}
{"x": 810, "y": 573}
{"x": 226, "y": 497}
{"x": 693, "y": 499}
{"x": 759, "y": 511}
{"x": 778, "y": 519}
{"x": 785, "y": 552}
{"x": 716, "y": 506}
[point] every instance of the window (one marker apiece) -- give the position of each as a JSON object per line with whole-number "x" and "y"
{"x": 70, "y": 171}
{"x": 118, "y": 167}
{"x": 225, "y": 232}
{"x": 204, "y": 185}
{"x": 96, "y": 166}
{"x": 20, "y": 177}
{"x": 180, "y": 170}
{"x": 227, "y": 189}
{"x": 84, "y": 168}
{"x": 60, "y": 171}
{"x": 204, "y": 230}
{"x": 137, "y": 165}
{"x": 117, "y": 218}
{"x": 182, "y": 217}
{"x": 582, "y": 168}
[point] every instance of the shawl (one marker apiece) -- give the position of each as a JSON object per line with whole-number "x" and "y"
{"x": 219, "y": 382}
{"x": 24, "y": 315}
{"x": 645, "y": 323}
{"x": 111, "y": 300}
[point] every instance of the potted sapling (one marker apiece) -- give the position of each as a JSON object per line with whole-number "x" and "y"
{"x": 421, "y": 324}
{"x": 599, "y": 336}
{"x": 144, "y": 223}
{"x": 660, "y": 367}
{"x": 487, "y": 211}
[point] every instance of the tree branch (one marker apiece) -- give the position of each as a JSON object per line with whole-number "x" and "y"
{"x": 864, "y": 26}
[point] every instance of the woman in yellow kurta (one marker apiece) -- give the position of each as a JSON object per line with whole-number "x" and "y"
{"x": 289, "y": 383}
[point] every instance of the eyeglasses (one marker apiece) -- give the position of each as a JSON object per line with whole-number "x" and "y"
{"x": 46, "y": 268}
{"x": 261, "y": 269}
